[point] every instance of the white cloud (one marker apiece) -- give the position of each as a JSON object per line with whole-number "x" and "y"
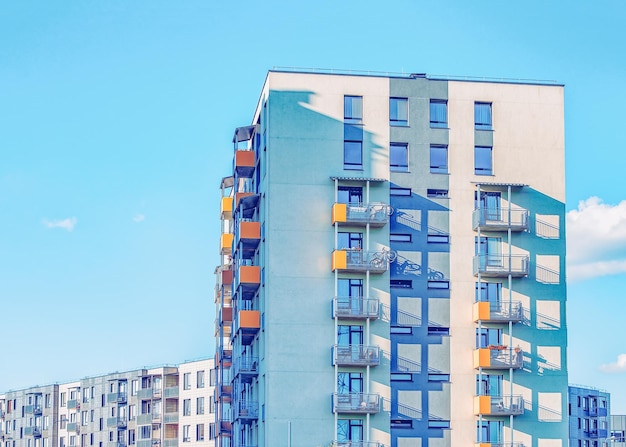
{"x": 596, "y": 239}
{"x": 139, "y": 218}
{"x": 66, "y": 224}
{"x": 616, "y": 367}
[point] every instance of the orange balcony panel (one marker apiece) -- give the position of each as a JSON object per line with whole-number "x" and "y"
{"x": 244, "y": 163}
{"x": 249, "y": 319}
{"x": 226, "y": 208}
{"x": 249, "y": 274}
{"x": 482, "y": 444}
{"x": 250, "y": 230}
{"x": 482, "y": 405}
{"x": 241, "y": 195}
{"x": 339, "y": 213}
{"x": 227, "y": 314}
{"x": 339, "y": 260}
{"x": 482, "y": 358}
{"x": 227, "y": 277}
{"x": 226, "y": 245}
{"x": 481, "y": 311}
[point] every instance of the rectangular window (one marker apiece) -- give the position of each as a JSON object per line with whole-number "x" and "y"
{"x": 439, "y": 159}
{"x": 400, "y": 330}
{"x": 395, "y": 237}
{"x": 131, "y": 437}
{"x": 483, "y": 160}
{"x": 132, "y": 412}
{"x": 438, "y": 330}
{"x": 438, "y": 423}
{"x": 186, "y": 407}
{"x": 401, "y": 377}
{"x": 401, "y": 423}
{"x": 200, "y": 379}
{"x": 63, "y": 399}
{"x": 134, "y": 385}
{"x": 353, "y": 109}
{"x": 437, "y": 193}
{"x": 199, "y": 432}
{"x": 438, "y": 238}
{"x": 200, "y": 405}
{"x": 187, "y": 381}
{"x": 353, "y": 155}
{"x": 396, "y": 191}
{"x": 212, "y": 430}
{"x": 399, "y": 157}
{"x": 482, "y": 115}
{"x": 438, "y": 377}
{"x": 438, "y": 113}
{"x": 353, "y": 132}
{"x": 398, "y": 112}
{"x": 401, "y": 284}
{"x": 186, "y": 429}
{"x": 213, "y": 372}
{"x": 439, "y": 285}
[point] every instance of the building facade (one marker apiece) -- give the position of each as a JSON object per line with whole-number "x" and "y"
{"x": 589, "y": 417}
{"x": 156, "y": 407}
{"x": 618, "y": 430}
{"x": 392, "y": 265}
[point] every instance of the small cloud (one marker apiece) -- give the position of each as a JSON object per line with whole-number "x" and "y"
{"x": 596, "y": 239}
{"x": 618, "y": 366}
{"x": 139, "y": 218}
{"x": 66, "y": 224}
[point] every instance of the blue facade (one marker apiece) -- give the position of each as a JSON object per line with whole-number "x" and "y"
{"x": 589, "y": 417}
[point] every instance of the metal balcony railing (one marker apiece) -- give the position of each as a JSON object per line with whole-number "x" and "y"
{"x": 503, "y": 405}
{"x": 355, "y": 307}
{"x": 495, "y": 266}
{"x": 361, "y": 403}
{"x": 376, "y": 214}
{"x": 246, "y": 368}
{"x": 502, "y": 444}
{"x": 500, "y": 357}
{"x": 356, "y": 355}
{"x": 499, "y": 311}
{"x": 359, "y": 261}
{"x": 499, "y": 219}
{"x": 245, "y": 411}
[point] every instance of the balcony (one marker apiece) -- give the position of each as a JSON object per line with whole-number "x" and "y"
{"x": 116, "y": 422}
{"x": 246, "y": 368}
{"x": 225, "y": 428}
{"x": 361, "y": 214}
{"x": 244, "y": 163}
{"x": 226, "y": 208}
{"x": 224, "y": 393}
{"x": 498, "y": 312}
{"x": 144, "y": 393}
{"x": 245, "y": 411}
{"x": 247, "y": 281}
{"x": 505, "y": 405}
{"x": 596, "y": 433}
{"x": 248, "y": 238}
{"x": 116, "y": 398}
{"x": 356, "y": 355}
{"x": 144, "y": 419}
{"x": 170, "y": 391}
{"x": 246, "y": 204}
{"x": 226, "y": 315}
{"x": 226, "y": 244}
{"x": 356, "y": 444}
{"x": 498, "y": 357}
{"x": 356, "y": 403}
{"x": 358, "y": 261}
{"x": 500, "y": 266}
{"x": 33, "y": 409}
{"x": 73, "y": 427}
{"x": 246, "y": 325}
{"x": 356, "y": 308}
{"x": 32, "y": 431}
{"x": 170, "y": 418}
{"x": 173, "y": 442}
{"x": 73, "y": 404}
{"x": 116, "y": 444}
{"x": 224, "y": 357}
{"x": 486, "y": 219}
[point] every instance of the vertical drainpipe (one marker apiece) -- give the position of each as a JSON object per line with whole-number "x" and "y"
{"x": 335, "y": 317}
{"x": 477, "y": 292}
{"x": 367, "y": 295}
{"x": 510, "y": 307}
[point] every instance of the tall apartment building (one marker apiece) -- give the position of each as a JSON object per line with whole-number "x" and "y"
{"x": 156, "y": 407}
{"x": 392, "y": 265}
{"x": 589, "y": 417}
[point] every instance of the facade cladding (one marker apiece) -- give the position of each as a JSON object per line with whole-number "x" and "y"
{"x": 589, "y": 417}
{"x": 158, "y": 407}
{"x": 393, "y": 265}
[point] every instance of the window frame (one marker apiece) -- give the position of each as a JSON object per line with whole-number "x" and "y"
{"x": 435, "y": 123}
{"x": 395, "y": 111}
{"x": 397, "y": 167}
{"x": 479, "y": 122}
{"x": 483, "y": 170}
{"x": 439, "y": 168}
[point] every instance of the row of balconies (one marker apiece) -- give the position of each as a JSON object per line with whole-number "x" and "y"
{"x": 248, "y": 237}
{"x": 119, "y": 398}
{"x": 33, "y": 431}
{"x": 503, "y": 405}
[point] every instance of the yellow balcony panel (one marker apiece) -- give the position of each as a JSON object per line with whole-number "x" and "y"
{"x": 226, "y": 244}
{"x": 504, "y": 405}
{"x": 481, "y": 311}
{"x": 482, "y": 405}
{"x": 498, "y": 357}
{"x": 498, "y": 312}
{"x": 249, "y": 319}
{"x": 361, "y": 214}
{"x": 359, "y": 261}
{"x": 226, "y": 208}
{"x": 339, "y": 213}
{"x": 339, "y": 260}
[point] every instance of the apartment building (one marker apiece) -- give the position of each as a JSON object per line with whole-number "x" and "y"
{"x": 140, "y": 408}
{"x": 589, "y": 417}
{"x": 618, "y": 430}
{"x": 392, "y": 265}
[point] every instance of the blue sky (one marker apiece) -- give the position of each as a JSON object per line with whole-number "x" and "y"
{"x": 115, "y": 125}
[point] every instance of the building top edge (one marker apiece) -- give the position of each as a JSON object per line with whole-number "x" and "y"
{"x": 432, "y": 77}
{"x": 358, "y": 179}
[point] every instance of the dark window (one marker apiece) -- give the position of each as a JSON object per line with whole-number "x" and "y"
{"x": 353, "y": 132}
{"x": 350, "y": 194}
{"x": 401, "y": 377}
{"x": 438, "y": 423}
{"x": 437, "y": 193}
{"x": 353, "y": 155}
{"x": 438, "y": 330}
{"x": 401, "y": 423}
{"x": 401, "y": 284}
{"x": 438, "y": 238}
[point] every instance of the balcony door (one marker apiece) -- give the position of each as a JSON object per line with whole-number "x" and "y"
{"x": 490, "y": 205}
{"x": 490, "y": 251}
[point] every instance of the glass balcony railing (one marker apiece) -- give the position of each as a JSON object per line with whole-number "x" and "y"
{"x": 497, "y": 266}
{"x": 361, "y": 214}
{"x": 245, "y": 411}
{"x": 356, "y": 355}
{"x": 355, "y": 307}
{"x": 116, "y": 397}
{"x": 361, "y": 403}
{"x": 504, "y": 405}
{"x": 499, "y": 311}
{"x": 515, "y": 219}
{"x": 359, "y": 261}
{"x": 498, "y": 357}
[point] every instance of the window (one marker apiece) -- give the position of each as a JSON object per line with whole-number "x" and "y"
{"x": 438, "y": 330}
{"x": 353, "y": 132}
{"x": 401, "y": 423}
{"x": 401, "y": 284}
{"x": 438, "y": 423}
{"x": 438, "y": 377}
{"x": 402, "y": 330}
{"x": 211, "y": 406}
{"x": 200, "y": 432}
{"x": 145, "y": 431}
{"x": 483, "y": 160}
{"x": 200, "y": 405}
{"x": 437, "y": 193}
{"x": 401, "y": 377}
{"x": 438, "y": 113}
{"x": 213, "y": 372}
{"x": 186, "y": 407}
{"x": 187, "y": 381}
{"x": 63, "y": 399}
{"x": 396, "y": 191}
{"x": 399, "y": 237}
{"x": 439, "y": 159}
{"x": 438, "y": 238}
{"x": 131, "y": 437}
{"x": 350, "y": 194}
{"x": 62, "y": 441}
{"x": 349, "y": 382}
{"x": 350, "y": 240}
{"x": 200, "y": 379}
{"x": 186, "y": 437}
{"x": 398, "y": 112}
{"x": 482, "y": 115}
{"x": 349, "y": 430}
{"x": 399, "y": 157}
{"x": 212, "y": 430}
{"x": 134, "y": 385}
{"x": 349, "y": 335}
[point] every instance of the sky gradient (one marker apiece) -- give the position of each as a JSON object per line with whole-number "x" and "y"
{"x": 116, "y": 120}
